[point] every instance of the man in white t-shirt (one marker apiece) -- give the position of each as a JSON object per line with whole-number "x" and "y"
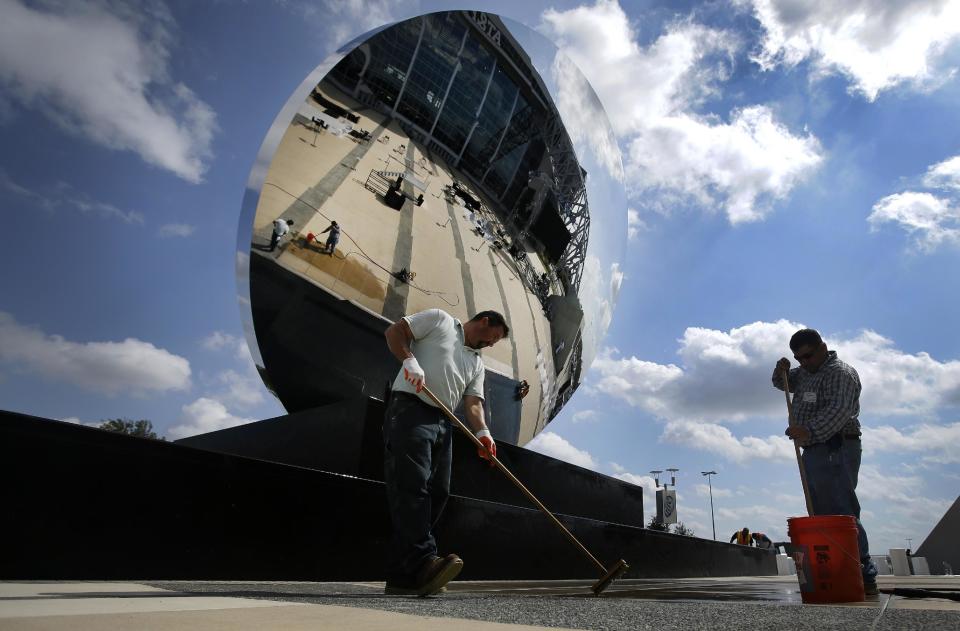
{"x": 436, "y": 350}
{"x": 280, "y": 228}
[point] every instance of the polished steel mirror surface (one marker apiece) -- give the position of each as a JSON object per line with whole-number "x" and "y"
{"x": 457, "y": 161}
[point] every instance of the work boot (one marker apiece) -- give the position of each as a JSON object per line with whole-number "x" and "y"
{"x": 870, "y": 588}
{"x": 436, "y": 572}
{"x": 432, "y": 578}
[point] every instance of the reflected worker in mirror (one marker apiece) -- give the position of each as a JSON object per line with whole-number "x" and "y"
{"x": 438, "y": 351}
{"x": 333, "y": 239}
{"x": 280, "y": 228}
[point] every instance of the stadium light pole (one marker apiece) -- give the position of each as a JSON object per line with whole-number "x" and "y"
{"x": 710, "y": 484}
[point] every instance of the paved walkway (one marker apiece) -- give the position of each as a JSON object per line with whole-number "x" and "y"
{"x": 720, "y": 603}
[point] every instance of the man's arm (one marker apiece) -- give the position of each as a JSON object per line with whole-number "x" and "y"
{"x": 473, "y": 406}
{"x": 328, "y": 230}
{"x": 399, "y": 337}
{"x": 784, "y": 363}
{"x": 474, "y": 409}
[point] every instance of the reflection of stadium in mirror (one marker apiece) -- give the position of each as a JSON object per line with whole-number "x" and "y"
{"x": 429, "y": 169}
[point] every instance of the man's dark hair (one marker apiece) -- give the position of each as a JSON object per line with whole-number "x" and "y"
{"x": 805, "y": 337}
{"x": 494, "y": 318}
{"x": 289, "y": 222}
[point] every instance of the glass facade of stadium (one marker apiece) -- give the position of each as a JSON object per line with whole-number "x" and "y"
{"x": 462, "y": 87}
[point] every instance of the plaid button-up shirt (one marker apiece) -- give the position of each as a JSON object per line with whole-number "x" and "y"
{"x": 825, "y": 402}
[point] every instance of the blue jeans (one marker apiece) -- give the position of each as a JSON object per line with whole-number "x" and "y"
{"x": 418, "y": 451}
{"x": 832, "y": 470}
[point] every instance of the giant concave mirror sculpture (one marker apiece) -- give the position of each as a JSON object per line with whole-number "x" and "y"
{"x": 469, "y": 166}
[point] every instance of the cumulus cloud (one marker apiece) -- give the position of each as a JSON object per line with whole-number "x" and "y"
{"x": 62, "y": 195}
{"x": 932, "y": 221}
{"x": 894, "y": 382}
{"x": 110, "y": 368}
{"x": 599, "y": 291}
{"x": 634, "y": 224}
{"x": 101, "y": 70}
{"x": 941, "y": 443}
{"x": 944, "y": 174}
{"x": 346, "y": 19}
{"x": 205, "y": 415}
{"x": 876, "y": 44}
{"x": 703, "y": 490}
{"x": 242, "y": 388}
{"x": 583, "y": 116}
{"x": 555, "y": 446}
{"x": 742, "y": 164}
{"x": 176, "y": 230}
{"x": 585, "y": 416}
{"x": 220, "y": 340}
{"x": 721, "y": 441}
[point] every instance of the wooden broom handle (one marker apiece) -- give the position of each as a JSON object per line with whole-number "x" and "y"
{"x": 796, "y": 447}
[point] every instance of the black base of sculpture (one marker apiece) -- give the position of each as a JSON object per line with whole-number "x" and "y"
{"x": 82, "y": 503}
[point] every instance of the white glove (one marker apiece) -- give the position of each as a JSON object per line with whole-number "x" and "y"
{"x": 490, "y": 447}
{"x": 413, "y": 373}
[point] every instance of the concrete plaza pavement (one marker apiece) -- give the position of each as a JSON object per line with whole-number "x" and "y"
{"x": 662, "y": 604}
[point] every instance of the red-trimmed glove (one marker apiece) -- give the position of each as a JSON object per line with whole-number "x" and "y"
{"x": 490, "y": 447}
{"x": 413, "y": 373}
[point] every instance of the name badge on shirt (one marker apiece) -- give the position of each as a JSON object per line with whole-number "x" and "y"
{"x": 809, "y": 397}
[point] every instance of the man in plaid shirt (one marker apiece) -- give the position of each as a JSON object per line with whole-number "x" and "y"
{"x": 826, "y": 404}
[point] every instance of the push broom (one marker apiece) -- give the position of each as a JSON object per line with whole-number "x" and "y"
{"x": 607, "y": 576}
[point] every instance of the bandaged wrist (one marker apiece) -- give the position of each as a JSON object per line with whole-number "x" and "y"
{"x": 483, "y": 432}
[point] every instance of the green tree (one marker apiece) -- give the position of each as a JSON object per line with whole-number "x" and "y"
{"x": 142, "y": 428}
{"x": 656, "y": 524}
{"x": 680, "y": 529}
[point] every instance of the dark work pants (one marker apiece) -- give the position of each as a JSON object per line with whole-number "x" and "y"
{"x": 274, "y": 240}
{"x": 418, "y": 450}
{"x": 832, "y": 472}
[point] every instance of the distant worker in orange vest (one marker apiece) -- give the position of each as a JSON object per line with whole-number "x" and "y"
{"x": 742, "y": 537}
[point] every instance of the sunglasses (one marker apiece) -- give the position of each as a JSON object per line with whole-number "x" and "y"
{"x": 805, "y": 356}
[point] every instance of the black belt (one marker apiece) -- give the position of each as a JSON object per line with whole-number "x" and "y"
{"x": 848, "y": 436}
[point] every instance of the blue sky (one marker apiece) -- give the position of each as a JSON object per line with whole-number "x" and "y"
{"x": 783, "y": 168}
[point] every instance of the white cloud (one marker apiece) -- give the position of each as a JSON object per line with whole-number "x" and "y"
{"x": 583, "y": 116}
{"x": 744, "y": 165}
{"x": 634, "y": 224}
{"x": 111, "y": 368}
{"x": 585, "y": 416}
{"x": 944, "y": 174}
{"x": 205, "y": 415}
{"x": 346, "y": 19}
{"x": 907, "y": 510}
{"x": 942, "y": 442}
{"x": 176, "y": 230}
{"x": 599, "y": 291}
{"x": 894, "y": 382}
{"x": 219, "y": 340}
{"x": 931, "y": 220}
{"x": 877, "y": 44}
{"x": 103, "y": 73}
{"x": 703, "y": 490}
{"x": 721, "y": 441}
{"x": 651, "y": 93}
{"x": 242, "y": 389}
{"x": 62, "y": 194}
{"x": 555, "y": 446}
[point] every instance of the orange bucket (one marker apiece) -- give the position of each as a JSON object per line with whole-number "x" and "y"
{"x": 828, "y": 558}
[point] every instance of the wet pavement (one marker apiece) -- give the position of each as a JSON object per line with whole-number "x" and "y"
{"x": 702, "y": 603}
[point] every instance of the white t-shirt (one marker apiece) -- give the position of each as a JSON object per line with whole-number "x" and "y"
{"x": 280, "y": 227}
{"x": 452, "y": 370}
